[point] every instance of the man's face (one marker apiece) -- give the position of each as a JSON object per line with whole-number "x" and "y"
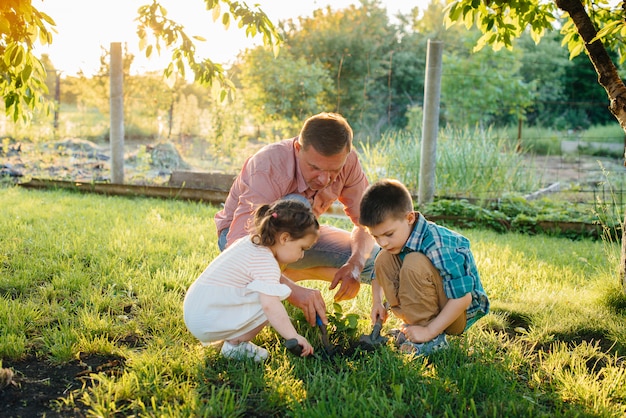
{"x": 392, "y": 233}
{"x": 319, "y": 170}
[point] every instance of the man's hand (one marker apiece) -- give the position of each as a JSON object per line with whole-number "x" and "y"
{"x": 350, "y": 285}
{"x": 310, "y": 301}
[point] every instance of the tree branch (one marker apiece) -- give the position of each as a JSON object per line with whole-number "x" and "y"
{"x": 608, "y": 76}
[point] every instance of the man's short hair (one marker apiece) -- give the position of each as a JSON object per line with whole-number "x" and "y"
{"x": 329, "y": 133}
{"x": 384, "y": 199}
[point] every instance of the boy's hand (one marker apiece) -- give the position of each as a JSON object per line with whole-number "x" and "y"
{"x": 378, "y": 310}
{"x": 418, "y": 333}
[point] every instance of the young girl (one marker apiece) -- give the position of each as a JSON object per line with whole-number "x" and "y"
{"x": 240, "y": 291}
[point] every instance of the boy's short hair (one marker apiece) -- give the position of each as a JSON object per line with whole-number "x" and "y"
{"x": 383, "y": 199}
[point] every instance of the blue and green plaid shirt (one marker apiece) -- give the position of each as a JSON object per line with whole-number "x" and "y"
{"x": 450, "y": 253}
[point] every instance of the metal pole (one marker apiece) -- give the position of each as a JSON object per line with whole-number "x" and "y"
{"x": 117, "y": 114}
{"x": 57, "y": 102}
{"x": 430, "y": 126}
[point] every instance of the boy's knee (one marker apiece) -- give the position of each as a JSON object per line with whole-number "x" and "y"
{"x": 419, "y": 265}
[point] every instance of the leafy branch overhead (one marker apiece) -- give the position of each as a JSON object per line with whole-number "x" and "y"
{"x": 502, "y": 21}
{"x": 22, "y": 81}
{"x": 157, "y": 32}
{"x": 23, "y": 26}
{"x": 592, "y": 26}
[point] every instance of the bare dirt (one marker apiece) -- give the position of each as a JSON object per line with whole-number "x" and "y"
{"x": 36, "y": 385}
{"x": 80, "y": 160}
{"x": 581, "y": 169}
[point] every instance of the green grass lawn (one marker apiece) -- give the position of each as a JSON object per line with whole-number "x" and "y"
{"x": 86, "y": 275}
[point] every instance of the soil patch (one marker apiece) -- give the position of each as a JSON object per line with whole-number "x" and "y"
{"x": 36, "y": 385}
{"x": 581, "y": 169}
{"x": 79, "y": 160}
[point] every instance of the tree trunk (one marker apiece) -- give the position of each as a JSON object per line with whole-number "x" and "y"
{"x": 607, "y": 77}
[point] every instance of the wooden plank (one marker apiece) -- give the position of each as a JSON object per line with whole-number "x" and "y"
{"x": 163, "y": 192}
{"x": 218, "y": 197}
{"x": 215, "y": 197}
{"x": 201, "y": 180}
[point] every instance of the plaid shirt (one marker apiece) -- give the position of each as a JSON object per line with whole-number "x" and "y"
{"x": 450, "y": 253}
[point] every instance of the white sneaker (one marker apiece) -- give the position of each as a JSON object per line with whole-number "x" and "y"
{"x": 244, "y": 350}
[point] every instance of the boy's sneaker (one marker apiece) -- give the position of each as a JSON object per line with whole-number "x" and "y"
{"x": 436, "y": 344}
{"x": 244, "y": 350}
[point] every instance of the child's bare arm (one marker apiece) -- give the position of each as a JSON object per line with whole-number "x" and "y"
{"x": 280, "y": 321}
{"x": 378, "y": 308}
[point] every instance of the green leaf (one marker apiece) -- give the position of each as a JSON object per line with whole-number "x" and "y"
{"x": 9, "y": 100}
{"x": 610, "y": 28}
{"x": 575, "y": 49}
{"x": 337, "y": 308}
{"x": 142, "y": 39}
{"x": 353, "y": 321}
{"x": 469, "y": 18}
{"x": 26, "y": 72}
{"x": 490, "y": 23}
{"x": 454, "y": 12}
{"x": 536, "y": 35}
{"x": 216, "y": 12}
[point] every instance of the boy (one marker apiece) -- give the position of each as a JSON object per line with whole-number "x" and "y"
{"x": 427, "y": 272}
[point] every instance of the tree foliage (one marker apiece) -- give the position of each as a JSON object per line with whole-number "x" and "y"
{"x": 588, "y": 26}
{"x": 485, "y": 89}
{"x": 354, "y": 46}
{"x": 282, "y": 90}
{"x": 157, "y": 32}
{"x": 22, "y": 26}
{"x": 357, "y": 66}
{"x": 22, "y": 75}
{"x": 376, "y": 77}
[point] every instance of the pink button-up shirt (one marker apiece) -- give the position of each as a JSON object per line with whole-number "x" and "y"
{"x": 274, "y": 172}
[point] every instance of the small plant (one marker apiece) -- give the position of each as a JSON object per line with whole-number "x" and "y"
{"x": 514, "y": 213}
{"x": 465, "y": 214}
{"x": 344, "y": 326}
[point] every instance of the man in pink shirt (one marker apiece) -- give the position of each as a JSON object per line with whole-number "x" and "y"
{"x": 319, "y": 166}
